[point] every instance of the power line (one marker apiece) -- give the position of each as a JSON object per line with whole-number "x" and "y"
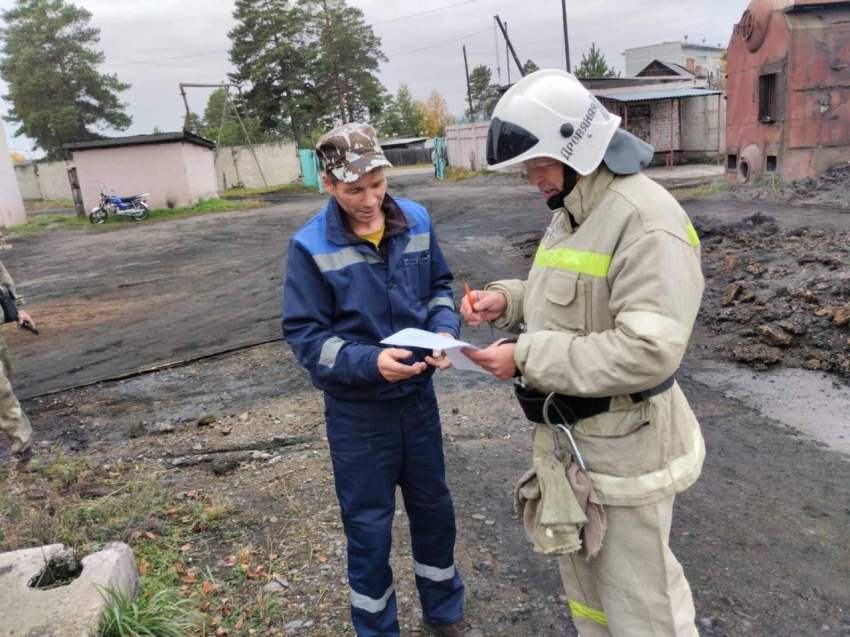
{"x": 174, "y": 66}
{"x": 433, "y": 46}
{"x": 414, "y": 15}
{"x": 179, "y": 57}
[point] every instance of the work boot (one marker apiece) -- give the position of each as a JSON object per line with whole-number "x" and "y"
{"x": 460, "y": 629}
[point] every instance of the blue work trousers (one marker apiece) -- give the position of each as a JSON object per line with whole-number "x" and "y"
{"x": 374, "y": 447}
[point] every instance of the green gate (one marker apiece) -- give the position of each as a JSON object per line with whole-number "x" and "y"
{"x": 311, "y": 170}
{"x": 441, "y": 157}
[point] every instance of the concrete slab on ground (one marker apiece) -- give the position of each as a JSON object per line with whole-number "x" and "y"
{"x": 72, "y": 610}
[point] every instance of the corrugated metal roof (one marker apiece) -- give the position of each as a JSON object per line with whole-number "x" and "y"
{"x": 662, "y": 94}
{"x": 404, "y": 140}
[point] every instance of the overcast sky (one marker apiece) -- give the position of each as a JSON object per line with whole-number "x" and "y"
{"x": 425, "y": 51}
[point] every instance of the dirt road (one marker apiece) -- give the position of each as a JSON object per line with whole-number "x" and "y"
{"x": 763, "y": 534}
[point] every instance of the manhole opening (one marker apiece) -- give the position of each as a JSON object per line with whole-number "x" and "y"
{"x": 56, "y": 573}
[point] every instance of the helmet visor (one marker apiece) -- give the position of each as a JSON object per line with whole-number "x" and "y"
{"x": 506, "y": 141}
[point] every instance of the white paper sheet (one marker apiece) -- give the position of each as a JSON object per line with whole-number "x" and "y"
{"x": 412, "y": 337}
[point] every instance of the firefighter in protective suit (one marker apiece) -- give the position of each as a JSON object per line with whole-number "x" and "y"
{"x": 13, "y": 421}
{"x": 603, "y": 321}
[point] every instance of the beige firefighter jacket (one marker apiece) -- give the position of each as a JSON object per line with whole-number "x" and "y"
{"x": 608, "y": 309}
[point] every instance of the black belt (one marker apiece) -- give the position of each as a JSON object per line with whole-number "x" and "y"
{"x": 574, "y": 408}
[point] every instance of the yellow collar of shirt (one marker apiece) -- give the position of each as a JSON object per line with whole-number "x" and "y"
{"x": 374, "y": 237}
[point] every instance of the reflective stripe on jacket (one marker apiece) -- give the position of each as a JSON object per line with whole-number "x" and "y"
{"x": 341, "y": 299}
{"x": 609, "y": 309}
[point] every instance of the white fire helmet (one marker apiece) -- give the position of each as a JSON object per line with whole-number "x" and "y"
{"x": 550, "y": 114}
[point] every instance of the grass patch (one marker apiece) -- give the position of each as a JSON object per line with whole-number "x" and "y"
{"x": 48, "y": 204}
{"x": 455, "y": 173}
{"x": 268, "y": 190}
{"x": 203, "y": 206}
{"x": 410, "y": 166}
{"x": 64, "y": 222}
{"x": 49, "y": 222}
{"x": 146, "y": 616}
{"x": 773, "y": 183}
{"x": 72, "y": 501}
{"x": 699, "y": 192}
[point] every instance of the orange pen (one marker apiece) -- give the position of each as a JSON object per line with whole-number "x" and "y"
{"x": 469, "y": 296}
{"x": 472, "y": 306}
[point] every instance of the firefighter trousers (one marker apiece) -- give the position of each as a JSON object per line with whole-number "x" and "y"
{"x": 13, "y": 420}
{"x": 375, "y": 447}
{"x": 634, "y": 587}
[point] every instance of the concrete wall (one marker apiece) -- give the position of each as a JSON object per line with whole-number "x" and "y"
{"x": 700, "y": 121}
{"x": 155, "y": 168}
{"x": 467, "y": 145}
{"x": 200, "y": 171}
{"x": 231, "y": 166}
{"x": 47, "y": 180}
{"x": 236, "y": 167}
{"x": 650, "y": 121}
{"x": 12, "y": 211}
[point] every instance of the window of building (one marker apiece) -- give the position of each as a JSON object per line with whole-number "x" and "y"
{"x": 771, "y": 163}
{"x": 767, "y": 98}
{"x": 732, "y": 163}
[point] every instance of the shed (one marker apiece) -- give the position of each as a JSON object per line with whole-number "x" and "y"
{"x": 399, "y": 143}
{"x": 685, "y": 120}
{"x": 177, "y": 169}
{"x": 789, "y": 89}
{"x": 407, "y": 151}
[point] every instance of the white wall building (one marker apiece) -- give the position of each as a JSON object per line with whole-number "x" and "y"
{"x": 12, "y": 211}
{"x": 702, "y": 60}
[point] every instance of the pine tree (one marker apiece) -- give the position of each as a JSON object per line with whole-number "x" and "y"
{"x": 403, "y": 117}
{"x": 270, "y": 49}
{"x": 348, "y": 55}
{"x": 225, "y": 122}
{"x": 529, "y": 67}
{"x": 56, "y": 94}
{"x": 484, "y": 93}
{"x": 594, "y": 65}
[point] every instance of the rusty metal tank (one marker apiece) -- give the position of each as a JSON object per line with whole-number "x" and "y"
{"x": 788, "y": 109}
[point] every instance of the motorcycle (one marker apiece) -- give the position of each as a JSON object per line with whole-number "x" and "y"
{"x": 134, "y": 207}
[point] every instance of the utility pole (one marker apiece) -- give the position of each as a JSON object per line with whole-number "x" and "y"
{"x": 468, "y": 89}
{"x": 566, "y": 34}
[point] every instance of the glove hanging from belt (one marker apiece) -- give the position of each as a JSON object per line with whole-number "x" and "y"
{"x": 574, "y": 408}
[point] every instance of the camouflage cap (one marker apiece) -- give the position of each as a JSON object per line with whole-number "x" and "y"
{"x": 350, "y": 151}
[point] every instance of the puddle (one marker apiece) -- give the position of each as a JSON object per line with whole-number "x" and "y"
{"x": 805, "y": 400}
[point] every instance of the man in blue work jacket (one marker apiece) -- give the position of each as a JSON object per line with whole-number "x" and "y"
{"x": 362, "y": 269}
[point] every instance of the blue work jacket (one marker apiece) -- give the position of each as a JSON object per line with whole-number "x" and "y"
{"x": 341, "y": 299}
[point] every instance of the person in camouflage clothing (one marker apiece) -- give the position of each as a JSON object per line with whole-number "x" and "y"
{"x": 13, "y": 420}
